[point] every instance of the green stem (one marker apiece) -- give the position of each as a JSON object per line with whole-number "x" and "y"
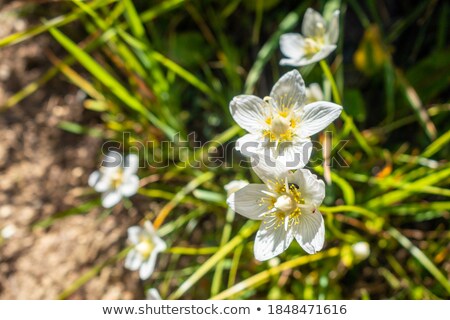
{"x": 180, "y": 196}
{"x": 326, "y": 70}
{"x": 246, "y": 231}
{"x": 235, "y": 265}
{"x": 421, "y": 257}
{"x": 78, "y": 283}
{"x": 264, "y": 276}
{"x": 347, "y": 119}
{"x": 192, "y": 251}
{"x": 217, "y": 278}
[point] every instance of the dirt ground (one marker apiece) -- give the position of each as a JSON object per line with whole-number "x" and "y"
{"x": 44, "y": 170}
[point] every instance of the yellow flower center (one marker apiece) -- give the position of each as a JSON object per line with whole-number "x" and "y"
{"x": 145, "y": 248}
{"x": 285, "y": 204}
{"x": 281, "y": 123}
{"x": 315, "y": 43}
{"x": 117, "y": 179}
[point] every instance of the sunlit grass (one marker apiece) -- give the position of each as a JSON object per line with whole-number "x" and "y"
{"x": 394, "y": 182}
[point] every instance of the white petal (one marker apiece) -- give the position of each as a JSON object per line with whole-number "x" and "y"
{"x": 310, "y": 21}
{"x": 317, "y": 116}
{"x": 112, "y": 162}
{"x": 153, "y": 294}
{"x": 268, "y": 166}
{"x": 93, "y": 178}
{"x": 149, "y": 229}
{"x": 133, "y": 260}
{"x": 333, "y": 28}
{"x": 129, "y": 186}
{"x": 291, "y": 62}
{"x": 235, "y": 185}
{"x": 111, "y": 198}
{"x": 270, "y": 242}
{"x": 289, "y": 91}
{"x": 296, "y": 155}
{"x": 249, "y": 144}
{"x": 159, "y": 243}
{"x": 131, "y": 164}
{"x": 310, "y": 232}
{"x": 103, "y": 184}
{"x": 249, "y": 112}
{"x": 361, "y": 250}
{"x": 134, "y": 234}
{"x": 323, "y": 53}
{"x": 311, "y": 188}
{"x": 292, "y": 45}
{"x": 247, "y": 201}
{"x": 305, "y": 60}
{"x": 147, "y": 267}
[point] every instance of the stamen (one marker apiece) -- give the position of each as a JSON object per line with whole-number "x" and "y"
{"x": 285, "y": 203}
{"x": 281, "y": 122}
{"x": 145, "y": 247}
{"x": 117, "y": 179}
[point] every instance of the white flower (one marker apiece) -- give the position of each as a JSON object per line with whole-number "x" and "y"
{"x": 153, "y": 294}
{"x": 361, "y": 250}
{"x": 234, "y": 186}
{"x": 316, "y": 43}
{"x": 8, "y": 231}
{"x": 280, "y": 126}
{"x": 287, "y": 203}
{"x": 314, "y": 93}
{"x": 147, "y": 245}
{"x": 116, "y": 178}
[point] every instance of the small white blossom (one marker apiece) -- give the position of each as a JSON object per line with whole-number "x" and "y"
{"x": 116, "y": 178}
{"x": 361, "y": 250}
{"x": 153, "y": 294}
{"x": 8, "y": 231}
{"x": 314, "y": 93}
{"x": 287, "y": 203}
{"x": 280, "y": 125}
{"x": 234, "y": 186}
{"x": 146, "y": 246}
{"x": 317, "y": 42}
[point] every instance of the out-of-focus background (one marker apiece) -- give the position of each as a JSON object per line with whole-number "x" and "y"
{"x": 184, "y": 61}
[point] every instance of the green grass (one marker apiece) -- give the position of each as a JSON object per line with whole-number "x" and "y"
{"x": 158, "y": 68}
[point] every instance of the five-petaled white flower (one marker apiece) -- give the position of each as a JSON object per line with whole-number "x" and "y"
{"x": 146, "y": 246}
{"x": 287, "y": 203}
{"x": 116, "y": 178}
{"x": 317, "y": 42}
{"x": 280, "y": 125}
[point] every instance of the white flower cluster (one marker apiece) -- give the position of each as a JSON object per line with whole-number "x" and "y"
{"x": 279, "y": 128}
{"x": 117, "y": 178}
{"x": 278, "y": 141}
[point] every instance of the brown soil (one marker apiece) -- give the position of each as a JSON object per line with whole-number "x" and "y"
{"x": 44, "y": 170}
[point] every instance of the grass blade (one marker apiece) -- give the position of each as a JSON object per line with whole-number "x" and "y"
{"x": 421, "y": 257}
{"x": 246, "y": 231}
{"x": 262, "y": 277}
{"x": 110, "y": 82}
